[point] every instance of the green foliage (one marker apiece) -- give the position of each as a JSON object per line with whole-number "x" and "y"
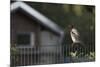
{"x": 14, "y": 53}
{"x": 14, "y": 50}
{"x": 89, "y": 56}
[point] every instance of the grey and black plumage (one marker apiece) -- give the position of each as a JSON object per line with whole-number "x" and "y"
{"x": 75, "y": 35}
{"x": 76, "y": 38}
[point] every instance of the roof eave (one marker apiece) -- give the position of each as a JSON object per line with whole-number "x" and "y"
{"x": 37, "y": 15}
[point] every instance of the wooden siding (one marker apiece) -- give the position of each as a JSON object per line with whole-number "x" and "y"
{"x": 22, "y": 23}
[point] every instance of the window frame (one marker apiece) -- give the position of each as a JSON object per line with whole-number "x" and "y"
{"x": 31, "y": 44}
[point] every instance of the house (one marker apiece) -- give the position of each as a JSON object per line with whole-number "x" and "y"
{"x": 35, "y": 35}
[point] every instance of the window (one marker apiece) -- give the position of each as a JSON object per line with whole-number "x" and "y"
{"x": 23, "y": 39}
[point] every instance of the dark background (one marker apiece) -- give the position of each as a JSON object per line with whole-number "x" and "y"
{"x": 81, "y": 16}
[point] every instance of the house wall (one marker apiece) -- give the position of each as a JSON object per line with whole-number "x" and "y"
{"x": 50, "y": 41}
{"x": 48, "y": 38}
{"x": 45, "y": 38}
{"x": 22, "y": 23}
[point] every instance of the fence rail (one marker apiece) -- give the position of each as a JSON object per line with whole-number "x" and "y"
{"x": 51, "y": 55}
{"x": 39, "y": 55}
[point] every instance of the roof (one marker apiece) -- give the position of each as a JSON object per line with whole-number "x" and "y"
{"x": 34, "y": 14}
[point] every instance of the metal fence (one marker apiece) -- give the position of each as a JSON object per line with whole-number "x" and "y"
{"x": 51, "y": 54}
{"x": 79, "y": 53}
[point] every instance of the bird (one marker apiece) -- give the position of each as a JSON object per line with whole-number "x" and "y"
{"x": 75, "y": 35}
{"x": 77, "y": 44}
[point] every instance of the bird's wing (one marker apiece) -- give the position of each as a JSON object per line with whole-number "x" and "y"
{"x": 75, "y": 34}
